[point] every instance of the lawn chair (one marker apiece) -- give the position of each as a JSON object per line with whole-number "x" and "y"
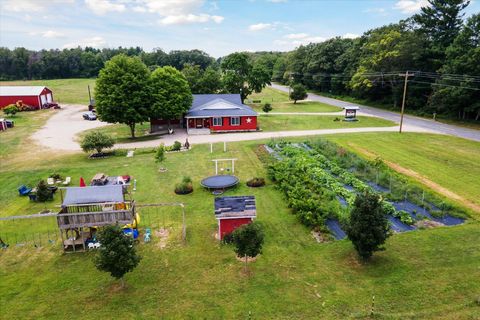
{"x": 23, "y": 190}
{"x": 67, "y": 181}
{"x": 50, "y": 181}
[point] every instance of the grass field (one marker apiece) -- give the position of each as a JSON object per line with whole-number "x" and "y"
{"x": 73, "y": 91}
{"x": 451, "y": 162}
{"x": 295, "y": 277}
{"x": 281, "y": 103}
{"x": 309, "y": 122}
{"x": 426, "y": 274}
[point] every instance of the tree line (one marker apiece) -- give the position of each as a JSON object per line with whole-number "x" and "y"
{"x": 24, "y": 64}
{"x": 439, "y": 47}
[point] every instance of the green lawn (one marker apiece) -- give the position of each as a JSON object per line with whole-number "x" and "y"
{"x": 450, "y": 162}
{"x": 424, "y": 274}
{"x": 64, "y": 90}
{"x": 309, "y": 122}
{"x": 281, "y": 103}
{"x": 295, "y": 277}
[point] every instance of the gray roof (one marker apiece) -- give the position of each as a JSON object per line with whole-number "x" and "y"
{"x": 100, "y": 194}
{"x": 235, "y": 207}
{"x": 21, "y": 90}
{"x": 217, "y": 105}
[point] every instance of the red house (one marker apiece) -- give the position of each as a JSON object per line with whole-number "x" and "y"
{"x": 233, "y": 212}
{"x": 213, "y": 113}
{"x": 34, "y": 96}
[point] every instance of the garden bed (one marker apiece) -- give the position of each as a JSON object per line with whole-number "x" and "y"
{"x": 320, "y": 181}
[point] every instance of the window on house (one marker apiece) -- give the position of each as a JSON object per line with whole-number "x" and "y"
{"x": 217, "y": 122}
{"x": 235, "y": 121}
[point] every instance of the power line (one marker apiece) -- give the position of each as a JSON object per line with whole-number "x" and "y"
{"x": 445, "y": 85}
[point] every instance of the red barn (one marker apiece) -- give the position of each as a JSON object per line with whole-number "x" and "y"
{"x": 34, "y": 96}
{"x": 213, "y": 113}
{"x": 233, "y": 212}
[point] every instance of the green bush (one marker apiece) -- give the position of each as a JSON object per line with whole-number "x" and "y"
{"x": 11, "y": 110}
{"x": 160, "y": 154}
{"x": 177, "y": 145}
{"x": 97, "y": 141}
{"x": 256, "y": 182}
{"x": 267, "y": 107}
{"x": 43, "y": 194}
{"x": 184, "y": 187}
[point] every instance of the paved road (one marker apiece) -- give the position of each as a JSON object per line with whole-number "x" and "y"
{"x": 428, "y": 125}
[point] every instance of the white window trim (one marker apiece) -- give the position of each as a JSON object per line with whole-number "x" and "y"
{"x": 217, "y": 124}
{"x": 231, "y": 121}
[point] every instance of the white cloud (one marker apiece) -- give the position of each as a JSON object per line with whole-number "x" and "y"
{"x": 296, "y": 39}
{"x": 190, "y": 18}
{"x": 260, "y": 26}
{"x": 296, "y": 36}
{"x": 29, "y": 5}
{"x": 410, "y": 6}
{"x": 100, "y": 7}
{"x": 52, "y": 34}
{"x": 139, "y": 9}
{"x": 95, "y": 42}
{"x": 277, "y": 1}
{"x": 349, "y": 35}
{"x": 177, "y": 11}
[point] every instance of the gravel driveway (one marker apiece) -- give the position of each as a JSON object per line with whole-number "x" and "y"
{"x": 60, "y": 130}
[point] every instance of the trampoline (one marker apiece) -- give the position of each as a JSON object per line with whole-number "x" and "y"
{"x": 219, "y": 182}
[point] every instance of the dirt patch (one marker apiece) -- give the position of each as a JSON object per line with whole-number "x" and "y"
{"x": 428, "y": 224}
{"x": 162, "y": 235}
{"x": 422, "y": 179}
{"x": 249, "y": 259}
{"x": 319, "y": 237}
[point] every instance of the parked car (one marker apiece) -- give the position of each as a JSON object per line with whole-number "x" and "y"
{"x": 89, "y": 116}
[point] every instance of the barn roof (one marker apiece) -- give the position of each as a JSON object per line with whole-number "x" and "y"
{"x": 216, "y": 105}
{"x": 235, "y": 207}
{"x": 21, "y": 90}
{"x": 97, "y": 194}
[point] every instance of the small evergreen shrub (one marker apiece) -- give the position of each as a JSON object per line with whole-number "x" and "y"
{"x": 256, "y": 182}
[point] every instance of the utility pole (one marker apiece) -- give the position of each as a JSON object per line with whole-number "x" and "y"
{"x": 406, "y": 75}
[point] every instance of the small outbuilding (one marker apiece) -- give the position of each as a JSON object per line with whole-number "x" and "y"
{"x": 233, "y": 212}
{"x": 34, "y": 96}
{"x": 351, "y": 113}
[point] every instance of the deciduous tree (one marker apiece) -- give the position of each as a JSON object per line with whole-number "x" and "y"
{"x": 298, "y": 92}
{"x": 97, "y": 141}
{"x": 171, "y": 95}
{"x": 122, "y": 92}
{"x": 248, "y": 240}
{"x": 117, "y": 255}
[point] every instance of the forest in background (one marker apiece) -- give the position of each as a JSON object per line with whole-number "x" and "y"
{"x": 438, "y": 46}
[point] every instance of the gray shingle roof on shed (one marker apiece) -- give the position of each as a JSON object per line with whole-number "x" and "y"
{"x": 235, "y": 206}
{"x": 215, "y": 105}
{"x": 84, "y": 195}
{"x": 21, "y": 90}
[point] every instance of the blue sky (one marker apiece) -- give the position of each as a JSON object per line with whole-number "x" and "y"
{"x": 217, "y": 27}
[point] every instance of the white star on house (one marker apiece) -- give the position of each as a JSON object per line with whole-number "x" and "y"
{"x": 249, "y": 120}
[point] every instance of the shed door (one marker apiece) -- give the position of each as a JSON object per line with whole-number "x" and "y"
{"x": 49, "y": 97}
{"x": 43, "y": 99}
